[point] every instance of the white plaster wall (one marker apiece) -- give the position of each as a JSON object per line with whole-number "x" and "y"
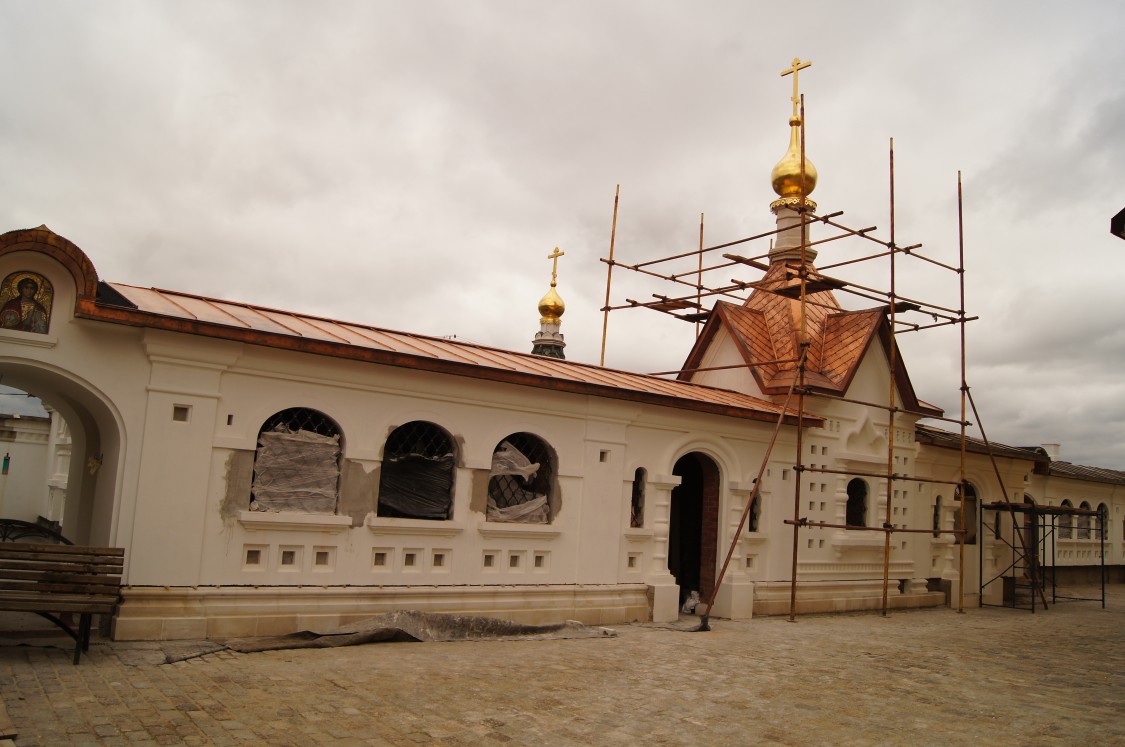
{"x": 989, "y": 556}
{"x": 95, "y": 375}
{"x": 724, "y": 351}
{"x": 1052, "y": 491}
{"x": 181, "y": 539}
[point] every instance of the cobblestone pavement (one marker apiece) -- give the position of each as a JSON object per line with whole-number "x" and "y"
{"x": 987, "y": 677}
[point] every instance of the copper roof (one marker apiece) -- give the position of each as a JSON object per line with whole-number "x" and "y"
{"x": 941, "y": 438}
{"x": 944, "y": 439}
{"x": 1092, "y": 474}
{"x": 191, "y": 314}
{"x": 766, "y": 329}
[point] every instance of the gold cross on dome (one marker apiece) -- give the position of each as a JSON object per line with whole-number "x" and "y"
{"x": 554, "y": 256}
{"x": 797, "y": 65}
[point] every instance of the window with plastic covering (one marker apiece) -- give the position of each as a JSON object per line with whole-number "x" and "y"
{"x": 1066, "y": 522}
{"x": 416, "y": 480}
{"x": 1084, "y": 521}
{"x": 297, "y": 463}
{"x": 521, "y": 480}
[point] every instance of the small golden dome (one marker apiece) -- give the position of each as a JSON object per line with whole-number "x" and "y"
{"x": 551, "y": 307}
{"x": 786, "y": 175}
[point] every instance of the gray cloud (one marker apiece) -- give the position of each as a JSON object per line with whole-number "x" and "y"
{"x": 411, "y": 165}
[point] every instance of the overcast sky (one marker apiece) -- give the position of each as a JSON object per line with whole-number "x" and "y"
{"x": 410, "y": 165}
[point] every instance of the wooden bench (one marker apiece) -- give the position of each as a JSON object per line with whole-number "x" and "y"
{"x": 52, "y": 579}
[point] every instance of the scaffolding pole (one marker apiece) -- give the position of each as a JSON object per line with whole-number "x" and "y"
{"x": 803, "y": 282}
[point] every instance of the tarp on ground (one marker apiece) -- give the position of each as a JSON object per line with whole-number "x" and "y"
{"x": 405, "y": 625}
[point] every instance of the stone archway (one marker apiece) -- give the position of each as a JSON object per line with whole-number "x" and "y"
{"x": 96, "y": 448}
{"x": 693, "y": 525}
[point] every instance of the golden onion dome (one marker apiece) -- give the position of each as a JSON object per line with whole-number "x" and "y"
{"x": 551, "y": 307}
{"x": 786, "y": 175}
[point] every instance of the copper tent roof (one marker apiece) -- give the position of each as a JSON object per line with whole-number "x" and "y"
{"x": 765, "y": 330}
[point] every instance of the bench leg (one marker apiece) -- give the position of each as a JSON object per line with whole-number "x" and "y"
{"x": 83, "y": 640}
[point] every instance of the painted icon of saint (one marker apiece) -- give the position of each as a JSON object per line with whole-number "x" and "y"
{"x": 26, "y": 299}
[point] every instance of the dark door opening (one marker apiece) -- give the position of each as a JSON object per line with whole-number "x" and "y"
{"x": 693, "y": 525}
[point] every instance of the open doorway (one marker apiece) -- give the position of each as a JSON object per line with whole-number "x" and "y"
{"x": 694, "y": 524}
{"x": 89, "y": 454}
{"x": 35, "y": 448}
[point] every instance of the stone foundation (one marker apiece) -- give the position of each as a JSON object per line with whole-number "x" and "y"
{"x": 772, "y": 598}
{"x": 163, "y": 613}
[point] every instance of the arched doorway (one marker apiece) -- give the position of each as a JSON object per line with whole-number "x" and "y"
{"x": 693, "y": 525}
{"x": 96, "y": 448}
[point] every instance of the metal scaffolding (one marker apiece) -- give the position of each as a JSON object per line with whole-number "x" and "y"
{"x": 905, "y": 315}
{"x": 1040, "y": 525}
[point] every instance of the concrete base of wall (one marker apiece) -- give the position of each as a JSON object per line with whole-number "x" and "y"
{"x": 162, "y": 613}
{"x": 773, "y": 598}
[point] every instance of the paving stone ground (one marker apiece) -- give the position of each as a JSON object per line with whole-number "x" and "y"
{"x": 985, "y": 677}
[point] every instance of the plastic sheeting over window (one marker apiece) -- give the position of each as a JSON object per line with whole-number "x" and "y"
{"x": 517, "y": 490}
{"x": 416, "y": 486}
{"x": 296, "y": 471}
{"x": 417, "y": 475}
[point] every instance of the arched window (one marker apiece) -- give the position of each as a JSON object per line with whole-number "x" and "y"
{"x": 297, "y": 464}
{"x": 937, "y": 517}
{"x": 637, "y": 500}
{"x": 970, "y": 510}
{"x": 1066, "y": 522}
{"x": 1084, "y": 522}
{"x": 856, "y": 513}
{"x": 755, "y": 513}
{"x": 521, "y": 484}
{"x": 416, "y": 480}
{"x": 1103, "y": 520}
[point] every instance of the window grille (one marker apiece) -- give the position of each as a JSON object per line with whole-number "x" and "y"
{"x": 297, "y": 463}
{"x": 417, "y": 474}
{"x": 1066, "y": 522}
{"x": 522, "y": 476}
{"x": 1084, "y": 522}
{"x": 302, "y": 419}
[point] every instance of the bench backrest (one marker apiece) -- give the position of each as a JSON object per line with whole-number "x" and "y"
{"x": 59, "y": 578}
{"x": 17, "y": 530}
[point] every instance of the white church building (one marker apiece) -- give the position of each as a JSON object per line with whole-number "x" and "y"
{"x": 268, "y": 471}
